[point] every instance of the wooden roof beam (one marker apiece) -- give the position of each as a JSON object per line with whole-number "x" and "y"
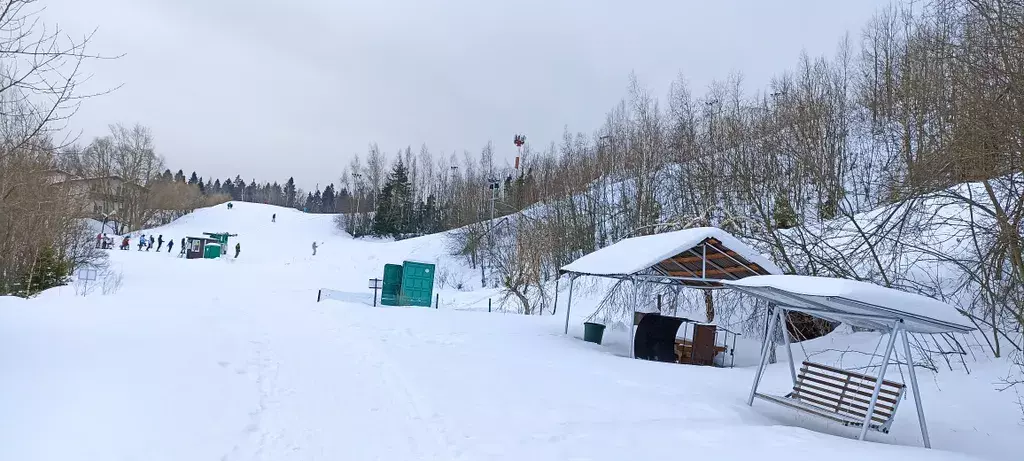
{"x": 697, "y": 259}
{"x": 716, "y": 271}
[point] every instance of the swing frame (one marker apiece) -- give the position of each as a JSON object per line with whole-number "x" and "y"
{"x": 881, "y": 318}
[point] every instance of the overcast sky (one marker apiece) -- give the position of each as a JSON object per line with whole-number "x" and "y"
{"x": 276, "y": 88}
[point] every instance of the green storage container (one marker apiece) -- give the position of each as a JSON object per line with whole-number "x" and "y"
{"x": 392, "y": 285}
{"x": 593, "y": 332}
{"x": 417, "y": 284}
{"x": 221, "y": 237}
{"x": 212, "y": 251}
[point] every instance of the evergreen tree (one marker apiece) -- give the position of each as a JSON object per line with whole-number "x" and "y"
{"x": 48, "y": 271}
{"x": 216, "y": 187}
{"x": 310, "y": 204}
{"x": 274, "y": 195}
{"x": 250, "y": 192}
{"x": 228, "y": 187}
{"x": 318, "y": 203}
{"x": 327, "y": 202}
{"x": 202, "y": 187}
{"x": 289, "y": 193}
{"x": 394, "y": 208}
{"x": 239, "y": 188}
{"x": 343, "y": 201}
{"x": 179, "y": 176}
{"x": 785, "y": 216}
{"x": 429, "y": 216}
{"x": 193, "y": 180}
{"x": 167, "y": 176}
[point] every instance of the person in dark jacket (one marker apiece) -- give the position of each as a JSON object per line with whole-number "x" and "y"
{"x": 170, "y": 244}
{"x": 182, "y": 246}
{"x": 238, "y": 249}
{"x": 159, "y": 242}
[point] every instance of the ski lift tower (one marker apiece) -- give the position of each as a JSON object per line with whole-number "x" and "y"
{"x": 519, "y": 141}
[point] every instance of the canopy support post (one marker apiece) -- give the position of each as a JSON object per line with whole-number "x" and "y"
{"x": 765, "y": 347}
{"x": 554, "y": 310}
{"x": 783, "y": 320}
{"x": 632, "y": 321}
{"x": 917, "y": 392}
{"x": 572, "y": 281}
{"x": 632, "y": 333}
{"x": 881, "y": 376}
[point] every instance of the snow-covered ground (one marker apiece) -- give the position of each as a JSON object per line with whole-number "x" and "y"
{"x": 234, "y": 359}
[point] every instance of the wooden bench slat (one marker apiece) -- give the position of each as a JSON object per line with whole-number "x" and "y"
{"x": 884, "y": 406}
{"x": 827, "y": 405}
{"x": 856, "y": 380}
{"x": 862, "y": 387}
{"x": 824, "y": 413}
{"x": 851, "y": 373}
{"x": 852, "y": 409}
{"x": 859, "y": 393}
{"x": 842, "y": 396}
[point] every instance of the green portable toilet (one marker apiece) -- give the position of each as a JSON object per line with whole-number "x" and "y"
{"x": 392, "y": 285}
{"x": 417, "y": 284}
{"x": 212, "y": 250}
{"x": 221, "y": 237}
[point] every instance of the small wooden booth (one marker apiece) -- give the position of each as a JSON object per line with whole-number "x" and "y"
{"x": 699, "y": 258}
{"x": 202, "y": 247}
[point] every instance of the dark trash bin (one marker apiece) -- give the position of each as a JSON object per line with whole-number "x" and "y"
{"x": 593, "y": 332}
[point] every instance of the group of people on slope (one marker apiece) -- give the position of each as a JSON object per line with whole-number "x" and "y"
{"x": 148, "y": 241}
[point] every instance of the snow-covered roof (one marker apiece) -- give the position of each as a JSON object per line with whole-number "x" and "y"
{"x": 633, "y": 255}
{"x": 857, "y": 303}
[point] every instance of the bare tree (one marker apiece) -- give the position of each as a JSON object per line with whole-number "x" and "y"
{"x": 39, "y": 76}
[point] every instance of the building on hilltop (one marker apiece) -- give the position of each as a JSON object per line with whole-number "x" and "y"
{"x": 104, "y": 198}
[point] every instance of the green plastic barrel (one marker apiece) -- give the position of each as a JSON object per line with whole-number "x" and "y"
{"x": 593, "y": 332}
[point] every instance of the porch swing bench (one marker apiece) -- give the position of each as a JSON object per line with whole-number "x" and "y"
{"x": 850, "y": 398}
{"x": 841, "y": 396}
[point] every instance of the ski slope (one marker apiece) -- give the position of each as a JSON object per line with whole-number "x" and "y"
{"x": 235, "y": 360}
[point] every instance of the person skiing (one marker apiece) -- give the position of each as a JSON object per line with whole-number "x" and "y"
{"x": 182, "y": 246}
{"x": 159, "y": 242}
{"x": 273, "y": 217}
{"x": 170, "y": 244}
{"x": 124, "y": 243}
{"x": 238, "y": 249}
{"x": 314, "y": 248}
{"x": 142, "y": 242}
{"x": 150, "y": 242}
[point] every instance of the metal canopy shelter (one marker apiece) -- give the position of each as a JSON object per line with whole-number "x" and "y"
{"x": 861, "y": 304}
{"x": 700, "y": 258}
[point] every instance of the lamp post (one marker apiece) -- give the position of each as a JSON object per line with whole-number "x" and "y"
{"x": 493, "y": 186}
{"x": 450, "y": 198}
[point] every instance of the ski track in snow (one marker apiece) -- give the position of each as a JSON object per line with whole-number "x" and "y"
{"x": 373, "y": 396}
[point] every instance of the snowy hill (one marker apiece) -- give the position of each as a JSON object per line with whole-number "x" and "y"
{"x": 233, "y": 359}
